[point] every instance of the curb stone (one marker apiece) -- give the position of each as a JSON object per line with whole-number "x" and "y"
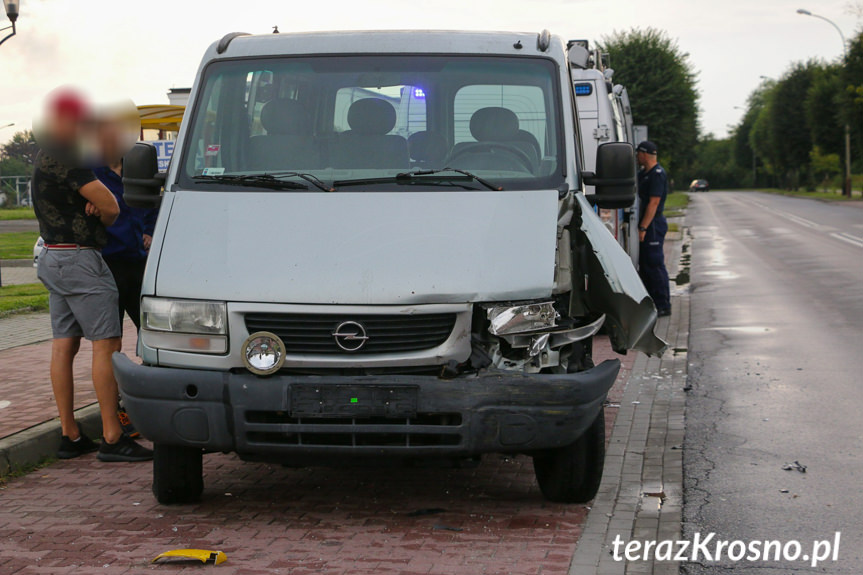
{"x": 19, "y": 263}
{"x": 34, "y": 445}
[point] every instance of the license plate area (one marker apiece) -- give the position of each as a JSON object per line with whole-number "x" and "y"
{"x": 353, "y": 401}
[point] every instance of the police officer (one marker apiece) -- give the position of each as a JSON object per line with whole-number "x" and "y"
{"x": 652, "y": 190}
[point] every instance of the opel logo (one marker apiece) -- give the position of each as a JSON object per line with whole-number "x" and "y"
{"x": 350, "y": 336}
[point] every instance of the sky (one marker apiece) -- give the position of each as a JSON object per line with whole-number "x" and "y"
{"x": 120, "y": 49}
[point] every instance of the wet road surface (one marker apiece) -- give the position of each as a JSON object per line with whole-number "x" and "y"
{"x": 776, "y": 366}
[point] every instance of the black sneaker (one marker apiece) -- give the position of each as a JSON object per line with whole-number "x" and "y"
{"x": 71, "y": 449}
{"x": 126, "y": 423}
{"x": 126, "y": 449}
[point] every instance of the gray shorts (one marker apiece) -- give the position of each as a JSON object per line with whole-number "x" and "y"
{"x": 82, "y": 295}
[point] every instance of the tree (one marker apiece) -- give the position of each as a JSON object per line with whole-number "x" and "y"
{"x": 21, "y": 147}
{"x": 852, "y": 100}
{"x": 759, "y": 136}
{"x": 14, "y": 167}
{"x": 824, "y": 110}
{"x": 824, "y": 166}
{"x": 661, "y": 84}
{"x": 790, "y": 133}
{"x": 749, "y": 153}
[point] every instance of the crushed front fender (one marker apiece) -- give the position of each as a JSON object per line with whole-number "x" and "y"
{"x": 615, "y": 289}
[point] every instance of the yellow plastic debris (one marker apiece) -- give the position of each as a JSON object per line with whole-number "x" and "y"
{"x": 202, "y": 555}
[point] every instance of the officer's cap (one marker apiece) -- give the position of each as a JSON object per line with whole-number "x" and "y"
{"x": 647, "y": 147}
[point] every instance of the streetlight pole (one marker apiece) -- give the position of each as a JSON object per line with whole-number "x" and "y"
{"x": 846, "y": 189}
{"x": 11, "y": 13}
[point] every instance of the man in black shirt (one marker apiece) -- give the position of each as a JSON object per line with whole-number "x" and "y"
{"x": 73, "y": 209}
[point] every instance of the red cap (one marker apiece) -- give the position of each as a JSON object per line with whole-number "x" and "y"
{"x": 69, "y": 104}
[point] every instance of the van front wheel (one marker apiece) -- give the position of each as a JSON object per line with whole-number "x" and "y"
{"x": 572, "y": 474}
{"x": 178, "y": 475}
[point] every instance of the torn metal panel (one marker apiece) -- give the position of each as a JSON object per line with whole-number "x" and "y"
{"x": 616, "y": 290}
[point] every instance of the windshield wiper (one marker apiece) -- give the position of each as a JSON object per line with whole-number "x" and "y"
{"x": 270, "y": 180}
{"x": 310, "y": 178}
{"x": 419, "y": 176}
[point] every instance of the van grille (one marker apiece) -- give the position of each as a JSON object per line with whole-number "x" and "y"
{"x": 421, "y": 430}
{"x": 313, "y": 333}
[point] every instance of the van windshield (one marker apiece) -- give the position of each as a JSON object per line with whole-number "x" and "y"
{"x": 359, "y": 121}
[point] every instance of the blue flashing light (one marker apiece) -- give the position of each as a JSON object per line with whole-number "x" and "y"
{"x": 419, "y": 94}
{"x": 583, "y": 89}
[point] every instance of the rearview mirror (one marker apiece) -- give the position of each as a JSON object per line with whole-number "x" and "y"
{"x": 142, "y": 182}
{"x": 615, "y": 176}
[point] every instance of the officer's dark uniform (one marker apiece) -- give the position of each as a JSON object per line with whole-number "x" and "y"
{"x": 651, "y": 260}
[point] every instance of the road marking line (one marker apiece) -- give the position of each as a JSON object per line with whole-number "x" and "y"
{"x": 845, "y": 237}
{"x": 848, "y": 238}
{"x": 789, "y": 216}
{"x": 799, "y": 220}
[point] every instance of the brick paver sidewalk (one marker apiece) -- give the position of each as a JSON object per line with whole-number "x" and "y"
{"x": 26, "y": 398}
{"x": 23, "y": 329}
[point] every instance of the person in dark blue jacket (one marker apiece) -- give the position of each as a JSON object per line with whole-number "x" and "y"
{"x": 652, "y": 191}
{"x": 128, "y": 244}
{"x": 126, "y": 255}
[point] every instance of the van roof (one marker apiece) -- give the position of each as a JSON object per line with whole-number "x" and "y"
{"x": 383, "y": 42}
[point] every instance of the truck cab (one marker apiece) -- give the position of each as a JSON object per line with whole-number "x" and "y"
{"x": 392, "y": 256}
{"x": 604, "y": 115}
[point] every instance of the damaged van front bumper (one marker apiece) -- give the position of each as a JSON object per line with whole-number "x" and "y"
{"x": 287, "y": 417}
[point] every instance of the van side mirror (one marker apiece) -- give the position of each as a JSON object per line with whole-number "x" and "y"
{"x": 615, "y": 176}
{"x": 142, "y": 182}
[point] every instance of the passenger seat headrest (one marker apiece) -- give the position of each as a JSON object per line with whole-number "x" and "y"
{"x": 427, "y": 146}
{"x": 286, "y": 117}
{"x": 494, "y": 125}
{"x": 372, "y": 116}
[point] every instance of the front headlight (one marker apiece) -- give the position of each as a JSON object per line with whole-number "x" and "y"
{"x": 506, "y": 320}
{"x": 184, "y": 325}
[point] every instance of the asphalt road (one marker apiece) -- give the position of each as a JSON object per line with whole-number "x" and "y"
{"x": 776, "y": 366}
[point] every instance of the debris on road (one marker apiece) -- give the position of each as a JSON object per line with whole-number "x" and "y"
{"x": 430, "y": 511}
{"x": 202, "y": 555}
{"x": 796, "y": 466}
{"x": 446, "y": 528}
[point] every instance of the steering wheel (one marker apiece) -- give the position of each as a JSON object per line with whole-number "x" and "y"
{"x": 480, "y": 147}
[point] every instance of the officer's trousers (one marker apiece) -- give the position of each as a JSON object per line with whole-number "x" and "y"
{"x": 651, "y": 264}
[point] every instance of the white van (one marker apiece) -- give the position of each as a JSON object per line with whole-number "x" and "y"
{"x": 392, "y": 257}
{"x": 604, "y": 115}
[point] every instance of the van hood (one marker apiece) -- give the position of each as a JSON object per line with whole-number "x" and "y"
{"x": 360, "y": 248}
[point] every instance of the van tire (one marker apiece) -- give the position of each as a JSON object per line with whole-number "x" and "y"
{"x": 572, "y": 474}
{"x": 178, "y": 475}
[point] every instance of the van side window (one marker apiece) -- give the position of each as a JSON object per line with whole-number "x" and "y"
{"x": 259, "y": 91}
{"x": 206, "y": 127}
